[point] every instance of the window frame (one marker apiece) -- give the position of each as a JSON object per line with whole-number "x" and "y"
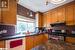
{"x": 27, "y": 20}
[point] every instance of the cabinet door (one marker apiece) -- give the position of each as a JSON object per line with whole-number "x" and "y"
{"x": 44, "y": 19}
{"x": 54, "y": 16}
{"x": 74, "y": 14}
{"x": 70, "y": 39}
{"x": 70, "y": 15}
{"x": 9, "y": 16}
{"x": 2, "y": 44}
{"x": 40, "y": 19}
{"x": 48, "y": 19}
{"x": 29, "y": 42}
{"x": 61, "y": 14}
{"x": 0, "y": 15}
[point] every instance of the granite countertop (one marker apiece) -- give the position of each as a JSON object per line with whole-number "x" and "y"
{"x": 33, "y": 34}
{"x": 19, "y": 36}
{"x": 64, "y": 34}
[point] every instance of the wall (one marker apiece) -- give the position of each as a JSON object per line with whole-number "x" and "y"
{"x": 33, "y": 41}
{"x": 64, "y": 13}
{"x": 24, "y": 11}
{"x": 9, "y": 16}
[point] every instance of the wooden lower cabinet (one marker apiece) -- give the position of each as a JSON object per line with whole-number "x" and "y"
{"x": 33, "y": 41}
{"x": 2, "y": 44}
{"x": 28, "y": 42}
{"x": 70, "y": 40}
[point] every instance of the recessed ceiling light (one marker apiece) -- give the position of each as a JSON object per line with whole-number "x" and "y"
{"x": 57, "y": 1}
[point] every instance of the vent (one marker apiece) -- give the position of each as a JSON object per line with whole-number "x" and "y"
{"x": 58, "y": 24}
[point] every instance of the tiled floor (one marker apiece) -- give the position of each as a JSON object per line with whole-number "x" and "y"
{"x": 55, "y": 46}
{"x": 50, "y": 45}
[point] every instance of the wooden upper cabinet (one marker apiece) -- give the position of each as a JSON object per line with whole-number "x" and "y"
{"x": 9, "y": 16}
{"x": 0, "y": 16}
{"x": 74, "y": 14}
{"x": 70, "y": 15}
{"x": 44, "y": 19}
{"x": 61, "y": 14}
{"x": 40, "y": 19}
{"x": 54, "y": 16}
{"x": 49, "y": 17}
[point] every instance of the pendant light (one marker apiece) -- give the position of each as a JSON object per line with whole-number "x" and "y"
{"x": 57, "y": 1}
{"x": 54, "y": 1}
{"x": 31, "y": 14}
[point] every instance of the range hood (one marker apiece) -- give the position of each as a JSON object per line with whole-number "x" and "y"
{"x": 58, "y": 24}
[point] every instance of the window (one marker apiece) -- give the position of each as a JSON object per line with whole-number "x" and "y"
{"x": 25, "y": 24}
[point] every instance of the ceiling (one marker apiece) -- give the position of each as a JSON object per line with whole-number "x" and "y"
{"x": 39, "y": 5}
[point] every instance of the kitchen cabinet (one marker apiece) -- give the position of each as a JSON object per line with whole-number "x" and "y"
{"x": 2, "y": 44}
{"x": 44, "y": 19}
{"x": 61, "y": 14}
{"x": 74, "y": 14}
{"x": 29, "y": 42}
{"x": 0, "y": 15}
{"x": 33, "y": 41}
{"x": 54, "y": 15}
{"x": 70, "y": 15}
{"x": 65, "y": 13}
{"x": 49, "y": 19}
{"x": 40, "y": 19}
{"x": 70, "y": 40}
{"x": 9, "y": 16}
{"x": 37, "y": 40}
